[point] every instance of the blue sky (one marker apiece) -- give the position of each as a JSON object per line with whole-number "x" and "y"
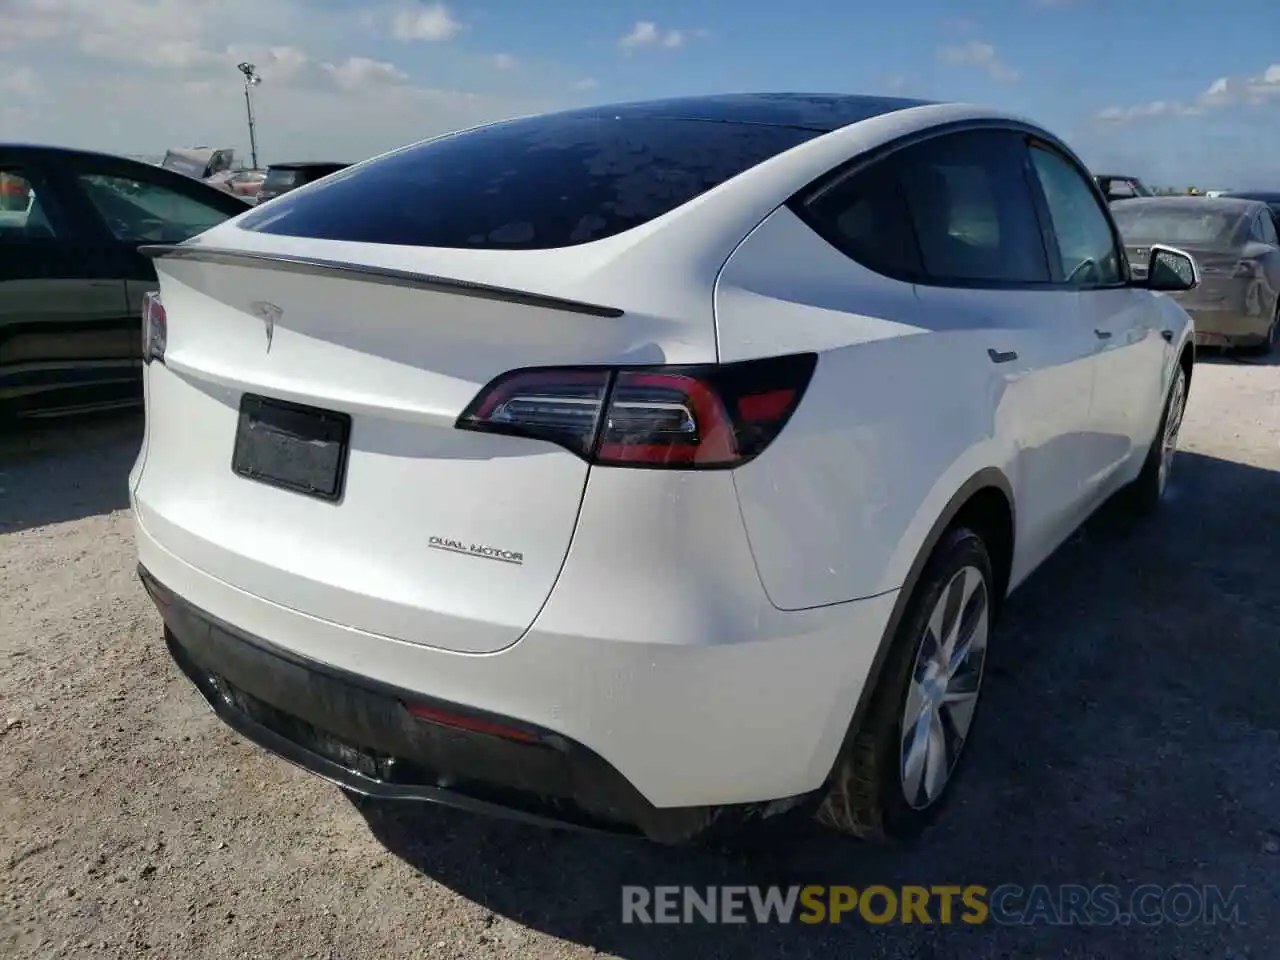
{"x": 1188, "y": 95}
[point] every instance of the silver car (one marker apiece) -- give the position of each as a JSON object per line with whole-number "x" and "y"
{"x": 1237, "y": 248}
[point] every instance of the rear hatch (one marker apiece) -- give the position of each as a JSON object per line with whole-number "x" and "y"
{"x": 1216, "y": 271}
{"x": 436, "y": 535}
{"x": 442, "y": 268}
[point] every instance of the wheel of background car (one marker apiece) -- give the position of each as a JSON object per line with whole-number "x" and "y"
{"x": 894, "y": 774}
{"x": 1273, "y": 333}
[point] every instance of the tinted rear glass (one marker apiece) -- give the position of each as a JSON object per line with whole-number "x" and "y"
{"x": 536, "y": 183}
{"x": 280, "y": 179}
{"x": 320, "y": 170}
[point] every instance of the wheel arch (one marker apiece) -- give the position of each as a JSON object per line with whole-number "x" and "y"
{"x": 984, "y": 503}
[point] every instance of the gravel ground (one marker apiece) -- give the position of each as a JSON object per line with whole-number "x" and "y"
{"x": 1130, "y": 736}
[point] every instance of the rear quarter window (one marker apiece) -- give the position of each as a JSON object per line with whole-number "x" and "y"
{"x": 530, "y": 184}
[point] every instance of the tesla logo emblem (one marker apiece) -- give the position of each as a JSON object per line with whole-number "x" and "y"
{"x": 269, "y": 314}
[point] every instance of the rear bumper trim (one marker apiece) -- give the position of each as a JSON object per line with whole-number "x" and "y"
{"x": 357, "y": 733}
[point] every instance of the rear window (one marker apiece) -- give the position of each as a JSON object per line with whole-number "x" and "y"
{"x": 529, "y": 184}
{"x": 1142, "y": 224}
{"x": 280, "y": 179}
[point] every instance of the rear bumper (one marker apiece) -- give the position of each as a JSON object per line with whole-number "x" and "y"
{"x": 634, "y": 735}
{"x": 360, "y": 735}
{"x": 1222, "y": 328}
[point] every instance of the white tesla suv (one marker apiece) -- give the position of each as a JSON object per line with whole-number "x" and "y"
{"x": 645, "y": 467}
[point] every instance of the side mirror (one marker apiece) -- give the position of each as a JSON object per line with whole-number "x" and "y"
{"x": 1170, "y": 270}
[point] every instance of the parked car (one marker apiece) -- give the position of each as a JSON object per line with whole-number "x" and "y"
{"x": 200, "y": 163}
{"x": 71, "y": 278}
{"x": 283, "y": 177}
{"x": 1237, "y": 246}
{"x": 241, "y": 183}
{"x": 617, "y": 469}
{"x": 1120, "y": 187}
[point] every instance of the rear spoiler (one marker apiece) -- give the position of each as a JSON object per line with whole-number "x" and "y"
{"x": 315, "y": 266}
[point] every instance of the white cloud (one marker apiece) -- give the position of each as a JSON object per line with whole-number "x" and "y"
{"x": 434, "y": 24}
{"x": 504, "y": 61}
{"x": 139, "y": 76}
{"x": 1222, "y": 92}
{"x": 586, "y": 83}
{"x": 646, "y": 33}
{"x": 975, "y": 53}
{"x": 360, "y": 73}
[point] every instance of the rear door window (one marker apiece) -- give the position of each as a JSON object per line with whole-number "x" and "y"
{"x": 530, "y": 184}
{"x": 972, "y": 209}
{"x": 1269, "y": 234}
{"x": 1122, "y": 190}
{"x": 1264, "y": 229}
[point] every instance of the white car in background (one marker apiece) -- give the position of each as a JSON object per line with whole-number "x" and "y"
{"x": 650, "y": 466}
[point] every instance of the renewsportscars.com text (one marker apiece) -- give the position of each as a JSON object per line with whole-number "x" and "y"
{"x": 1006, "y": 905}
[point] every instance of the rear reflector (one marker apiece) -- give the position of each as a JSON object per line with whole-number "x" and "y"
{"x": 690, "y": 417}
{"x": 471, "y": 724}
{"x": 155, "y": 328}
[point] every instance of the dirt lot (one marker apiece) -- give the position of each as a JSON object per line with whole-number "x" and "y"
{"x": 1131, "y": 735}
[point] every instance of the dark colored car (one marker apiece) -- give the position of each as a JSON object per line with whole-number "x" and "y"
{"x": 1237, "y": 247}
{"x": 283, "y": 177}
{"x": 71, "y": 278}
{"x": 1116, "y": 186}
{"x": 1270, "y": 197}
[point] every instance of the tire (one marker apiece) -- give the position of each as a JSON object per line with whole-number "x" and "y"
{"x": 867, "y": 796}
{"x": 1146, "y": 493}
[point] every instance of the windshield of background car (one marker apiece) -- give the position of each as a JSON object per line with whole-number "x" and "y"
{"x": 529, "y": 184}
{"x": 1168, "y": 224}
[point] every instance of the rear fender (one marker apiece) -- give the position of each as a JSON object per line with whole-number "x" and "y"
{"x": 923, "y": 547}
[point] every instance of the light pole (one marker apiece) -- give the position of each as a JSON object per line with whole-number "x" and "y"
{"x": 251, "y": 80}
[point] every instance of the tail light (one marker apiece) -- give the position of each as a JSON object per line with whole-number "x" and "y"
{"x": 677, "y": 417}
{"x": 155, "y": 328}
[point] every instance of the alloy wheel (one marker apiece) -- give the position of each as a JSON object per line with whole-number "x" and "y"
{"x": 943, "y": 692}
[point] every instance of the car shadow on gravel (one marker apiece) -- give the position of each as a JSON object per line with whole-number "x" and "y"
{"x": 1129, "y": 736}
{"x": 55, "y": 471}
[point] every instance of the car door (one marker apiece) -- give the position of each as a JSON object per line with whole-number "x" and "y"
{"x": 986, "y": 268}
{"x": 66, "y": 339}
{"x": 135, "y": 204}
{"x": 1264, "y": 232}
{"x": 1130, "y": 347}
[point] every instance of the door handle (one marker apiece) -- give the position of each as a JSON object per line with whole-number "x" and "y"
{"x": 998, "y": 357}
{"x": 1102, "y": 334}
{"x": 1168, "y": 335}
